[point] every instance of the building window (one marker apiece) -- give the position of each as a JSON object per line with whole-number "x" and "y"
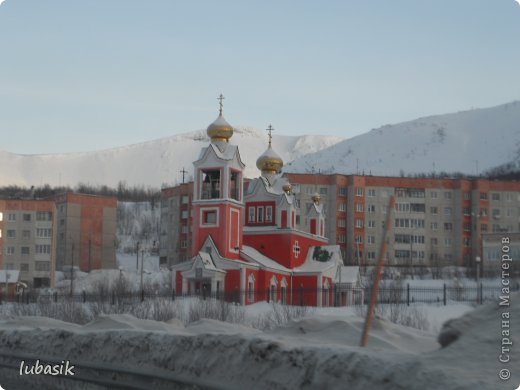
{"x": 42, "y": 266}
{"x": 251, "y": 214}
{"x": 495, "y": 213}
{"x": 27, "y": 217}
{"x": 10, "y": 233}
{"x": 484, "y": 227}
{"x": 184, "y": 229}
{"x": 359, "y": 239}
{"x": 371, "y": 208}
{"x": 10, "y": 250}
{"x": 11, "y": 217}
{"x": 342, "y": 191}
{"x": 43, "y": 216}
{"x": 184, "y": 244}
{"x": 483, "y": 212}
{"x": 447, "y": 242}
{"x": 26, "y": 234}
{"x": 260, "y": 214}
{"x": 24, "y": 267}
{"x": 359, "y": 207}
{"x": 467, "y": 196}
{"x": 434, "y": 210}
{"x": 43, "y": 233}
{"x": 42, "y": 249}
{"x": 448, "y": 226}
{"x": 1, "y": 216}
{"x": 447, "y": 195}
{"x": 185, "y": 199}
{"x": 434, "y": 225}
{"x": 371, "y": 224}
{"x": 371, "y": 255}
{"x": 402, "y": 207}
{"x": 371, "y": 192}
{"x": 359, "y": 223}
{"x": 268, "y": 213}
{"x": 466, "y": 211}
{"x": 495, "y": 196}
{"x": 209, "y": 217}
{"x": 433, "y": 194}
{"x": 25, "y": 250}
{"x": 447, "y": 210}
{"x": 434, "y": 241}
{"x": 342, "y": 223}
{"x": 341, "y": 238}
{"x": 342, "y": 207}
{"x": 483, "y": 195}
{"x": 467, "y": 227}
{"x": 184, "y": 214}
{"x": 467, "y": 242}
{"x": 323, "y": 190}
{"x": 371, "y": 239}
{"x": 359, "y": 191}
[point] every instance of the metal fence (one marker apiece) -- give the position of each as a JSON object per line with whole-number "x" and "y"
{"x": 344, "y": 296}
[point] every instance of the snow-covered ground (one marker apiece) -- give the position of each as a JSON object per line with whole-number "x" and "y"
{"x": 318, "y": 351}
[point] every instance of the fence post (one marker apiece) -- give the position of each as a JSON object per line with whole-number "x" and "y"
{"x": 481, "y": 294}
{"x": 84, "y": 296}
{"x": 408, "y": 294}
{"x": 444, "y": 294}
{"x": 55, "y": 296}
{"x": 173, "y": 294}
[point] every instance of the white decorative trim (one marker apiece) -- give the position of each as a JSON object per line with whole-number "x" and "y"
{"x": 206, "y": 225}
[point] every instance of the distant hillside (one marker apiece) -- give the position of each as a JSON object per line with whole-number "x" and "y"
{"x": 464, "y": 142}
{"x": 151, "y": 163}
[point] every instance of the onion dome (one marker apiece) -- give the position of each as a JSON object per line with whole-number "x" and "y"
{"x": 316, "y": 198}
{"x": 220, "y": 130}
{"x": 269, "y": 162}
{"x": 287, "y": 188}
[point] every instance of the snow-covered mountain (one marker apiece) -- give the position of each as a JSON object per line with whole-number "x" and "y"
{"x": 460, "y": 142}
{"x": 464, "y": 142}
{"x": 152, "y": 163}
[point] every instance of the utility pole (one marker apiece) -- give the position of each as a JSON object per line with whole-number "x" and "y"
{"x": 72, "y": 271}
{"x": 89, "y": 253}
{"x": 137, "y": 257}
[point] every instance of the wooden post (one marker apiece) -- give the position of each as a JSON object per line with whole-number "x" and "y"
{"x": 380, "y": 264}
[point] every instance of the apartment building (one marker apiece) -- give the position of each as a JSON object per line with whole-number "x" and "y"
{"x": 86, "y": 231}
{"x": 436, "y": 222}
{"x": 176, "y": 224}
{"x": 27, "y": 241}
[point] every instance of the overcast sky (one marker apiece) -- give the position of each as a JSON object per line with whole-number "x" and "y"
{"x": 96, "y": 74}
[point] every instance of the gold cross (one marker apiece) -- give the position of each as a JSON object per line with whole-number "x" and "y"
{"x": 220, "y": 98}
{"x": 270, "y": 131}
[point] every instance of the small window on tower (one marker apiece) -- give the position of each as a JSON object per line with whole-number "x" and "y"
{"x": 260, "y": 215}
{"x": 252, "y": 214}
{"x": 209, "y": 217}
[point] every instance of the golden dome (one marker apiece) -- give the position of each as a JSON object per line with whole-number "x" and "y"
{"x": 269, "y": 162}
{"x": 287, "y": 188}
{"x": 316, "y": 198}
{"x": 220, "y": 130}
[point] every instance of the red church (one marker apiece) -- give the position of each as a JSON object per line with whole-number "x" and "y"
{"x": 246, "y": 245}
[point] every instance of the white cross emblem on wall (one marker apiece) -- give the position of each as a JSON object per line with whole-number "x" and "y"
{"x": 296, "y": 249}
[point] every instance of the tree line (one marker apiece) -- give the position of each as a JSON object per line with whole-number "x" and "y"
{"x": 123, "y": 192}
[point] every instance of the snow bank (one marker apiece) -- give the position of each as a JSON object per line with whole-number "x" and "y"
{"x": 316, "y": 352}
